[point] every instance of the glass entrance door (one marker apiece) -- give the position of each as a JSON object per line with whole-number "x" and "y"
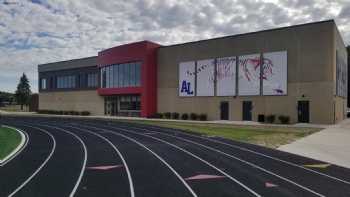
{"x": 111, "y": 106}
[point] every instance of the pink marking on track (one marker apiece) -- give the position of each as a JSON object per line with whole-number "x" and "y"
{"x": 204, "y": 177}
{"x": 150, "y": 133}
{"x": 104, "y": 167}
{"x": 267, "y": 184}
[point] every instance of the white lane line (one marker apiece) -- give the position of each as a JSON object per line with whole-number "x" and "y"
{"x": 42, "y": 165}
{"x": 19, "y": 148}
{"x": 258, "y": 153}
{"x": 132, "y": 190}
{"x": 85, "y": 157}
{"x": 193, "y": 155}
{"x": 155, "y": 154}
{"x": 241, "y": 160}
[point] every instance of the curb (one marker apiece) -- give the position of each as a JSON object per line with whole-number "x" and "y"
{"x": 235, "y": 123}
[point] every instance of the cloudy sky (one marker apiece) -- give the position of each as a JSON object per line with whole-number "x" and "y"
{"x": 41, "y": 31}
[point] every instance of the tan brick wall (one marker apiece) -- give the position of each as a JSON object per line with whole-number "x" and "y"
{"x": 310, "y": 65}
{"x": 72, "y": 100}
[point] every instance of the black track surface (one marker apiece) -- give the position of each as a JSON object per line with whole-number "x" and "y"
{"x": 90, "y": 156}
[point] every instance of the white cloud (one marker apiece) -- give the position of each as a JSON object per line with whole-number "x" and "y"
{"x": 54, "y": 30}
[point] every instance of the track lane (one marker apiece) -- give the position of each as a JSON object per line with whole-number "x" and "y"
{"x": 188, "y": 165}
{"x": 20, "y": 168}
{"x": 142, "y": 161}
{"x": 59, "y": 176}
{"x": 16, "y": 172}
{"x": 223, "y": 147}
{"x": 248, "y": 174}
{"x": 316, "y": 182}
{"x": 334, "y": 172}
{"x": 102, "y": 153}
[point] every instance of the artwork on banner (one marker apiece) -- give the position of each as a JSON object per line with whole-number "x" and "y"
{"x": 249, "y": 75}
{"x": 205, "y": 77}
{"x": 274, "y": 73}
{"x": 226, "y": 76}
{"x": 186, "y": 78}
{"x": 341, "y": 76}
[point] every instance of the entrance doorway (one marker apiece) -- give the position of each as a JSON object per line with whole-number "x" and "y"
{"x": 247, "y": 110}
{"x": 224, "y": 110}
{"x": 303, "y": 111}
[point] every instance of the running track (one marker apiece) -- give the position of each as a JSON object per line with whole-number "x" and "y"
{"x": 84, "y": 157}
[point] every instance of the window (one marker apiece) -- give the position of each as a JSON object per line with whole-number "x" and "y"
{"x": 130, "y": 103}
{"x": 126, "y": 75}
{"x": 111, "y": 80}
{"x": 115, "y": 74}
{"x": 104, "y": 77}
{"x": 108, "y": 77}
{"x": 121, "y": 75}
{"x": 132, "y": 75}
{"x": 66, "y": 81}
{"x": 92, "y": 80}
{"x": 137, "y": 74}
{"x": 43, "y": 84}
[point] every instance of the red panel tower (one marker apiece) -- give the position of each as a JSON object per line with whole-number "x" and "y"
{"x": 144, "y": 52}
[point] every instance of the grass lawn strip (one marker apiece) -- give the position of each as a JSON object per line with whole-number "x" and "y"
{"x": 10, "y": 141}
{"x": 269, "y": 136}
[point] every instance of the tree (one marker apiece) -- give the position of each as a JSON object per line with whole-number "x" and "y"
{"x": 23, "y": 91}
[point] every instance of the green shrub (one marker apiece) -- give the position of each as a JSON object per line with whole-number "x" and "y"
{"x": 193, "y": 116}
{"x": 184, "y": 116}
{"x": 203, "y": 117}
{"x": 85, "y": 113}
{"x": 175, "y": 115}
{"x": 261, "y": 118}
{"x": 270, "y": 119}
{"x": 157, "y": 115}
{"x": 284, "y": 119}
{"x": 167, "y": 115}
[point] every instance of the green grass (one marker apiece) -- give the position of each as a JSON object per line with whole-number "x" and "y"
{"x": 9, "y": 140}
{"x": 269, "y": 136}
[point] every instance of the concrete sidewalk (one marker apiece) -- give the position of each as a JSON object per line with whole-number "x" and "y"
{"x": 330, "y": 145}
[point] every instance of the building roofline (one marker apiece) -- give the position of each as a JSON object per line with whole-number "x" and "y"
{"x": 128, "y": 44}
{"x": 254, "y": 32}
{"x": 65, "y": 61}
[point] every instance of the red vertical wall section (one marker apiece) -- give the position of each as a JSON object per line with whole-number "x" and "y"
{"x": 145, "y": 52}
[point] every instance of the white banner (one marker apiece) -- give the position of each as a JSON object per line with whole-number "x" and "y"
{"x": 341, "y": 77}
{"x": 205, "y": 77}
{"x": 186, "y": 78}
{"x": 226, "y": 76}
{"x": 275, "y": 73}
{"x": 249, "y": 75}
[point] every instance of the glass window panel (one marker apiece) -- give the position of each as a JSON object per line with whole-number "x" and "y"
{"x": 132, "y": 74}
{"x": 43, "y": 83}
{"x": 112, "y": 76}
{"x": 138, "y": 74}
{"x": 126, "y": 75}
{"x": 120, "y": 75}
{"x": 70, "y": 82}
{"x": 74, "y": 81}
{"x": 64, "y": 80}
{"x": 101, "y": 83}
{"x": 108, "y": 77}
{"x": 115, "y": 73}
